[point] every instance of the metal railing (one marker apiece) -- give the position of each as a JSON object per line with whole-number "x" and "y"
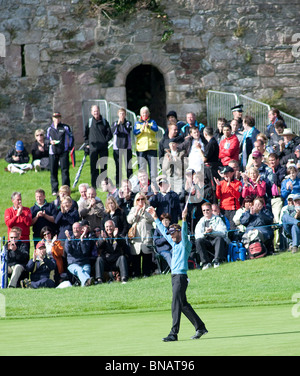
{"x": 219, "y": 104}
{"x": 256, "y": 109}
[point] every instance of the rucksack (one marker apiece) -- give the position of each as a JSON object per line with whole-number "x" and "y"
{"x": 256, "y": 250}
{"x": 236, "y": 251}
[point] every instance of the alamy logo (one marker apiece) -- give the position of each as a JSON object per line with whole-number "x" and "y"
{"x": 296, "y": 46}
{"x": 2, "y": 46}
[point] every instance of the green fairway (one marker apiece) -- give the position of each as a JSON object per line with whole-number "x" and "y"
{"x": 246, "y": 306}
{"x": 270, "y": 330}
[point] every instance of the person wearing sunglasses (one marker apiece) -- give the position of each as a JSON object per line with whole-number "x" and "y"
{"x": 40, "y": 151}
{"x": 17, "y": 257}
{"x": 141, "y": 244}
{"x": 54, "y": 248}
{"x": 177, "y": 236}
{"x": 211, "y": 238}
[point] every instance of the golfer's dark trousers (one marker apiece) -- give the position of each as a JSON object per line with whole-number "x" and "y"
{"x": 180, "y": 304}
{"x": 63, "y": 160}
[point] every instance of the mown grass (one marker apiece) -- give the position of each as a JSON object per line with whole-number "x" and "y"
{"x": 269, "y": 281}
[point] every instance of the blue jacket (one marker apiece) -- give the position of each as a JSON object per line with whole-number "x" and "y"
{"x": 181, "y": 251}
{"x": 186, "y": 128}
{"x": 263, "y": 218}
{"x": 285, "y": 192}
{"x": 160, "y": 242}
{"x": 40, "y": 269}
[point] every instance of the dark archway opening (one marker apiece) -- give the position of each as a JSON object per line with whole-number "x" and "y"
{"x": 145, "y": 86}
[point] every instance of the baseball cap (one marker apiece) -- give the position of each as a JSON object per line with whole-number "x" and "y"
{"x": 56, "y": 114}
{"x": 40, "y": 244}
{"x": 225, "y": 169}
{"x": 256, "y": 154}
{"x": 296, "y": 197}
{"x": 19, "y": 145}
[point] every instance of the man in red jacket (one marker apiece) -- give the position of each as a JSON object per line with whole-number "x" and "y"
{"x": 229, "y": 146}
{"x": 18, "y": 216}
{"x": 228, "y": 191}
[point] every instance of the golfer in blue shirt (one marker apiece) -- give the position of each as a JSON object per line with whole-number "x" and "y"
{"x": 181, "y": 248}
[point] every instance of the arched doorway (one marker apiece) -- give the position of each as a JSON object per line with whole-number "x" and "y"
{"x": 145, "y": 86}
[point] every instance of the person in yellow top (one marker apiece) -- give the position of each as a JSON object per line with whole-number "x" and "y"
{"x": 146, "y": 144}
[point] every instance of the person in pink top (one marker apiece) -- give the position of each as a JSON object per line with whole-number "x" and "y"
{"x": 253, "y": 185}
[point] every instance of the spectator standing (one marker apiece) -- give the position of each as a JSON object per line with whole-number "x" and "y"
{"x": 290, "y": 185}
{"x": 237, "y": 113}
{"x": 274, "y": 116}
{"x": 229, "y": 146}
{"x": 141, "y": 244}
{"x": 228, "y": 191}
{"x": 288, "y": 145}
{"x": 115, "y": 213}
{"x": 43, "y": 214}
{"x": 20, "y": 216}
{"x": 146, "y": 144}
{"x": 121, "y": 130}
{"x": 66, "y": 217}
{"x": 191, "y": 122}
{"x": 61, "y": 141}
{"x": 249, "y": 137}
{"x": 126, "y": 196}
{"x": 218, "y": 135}
{"x": 97, "y": 136}
{"x": 166, "y": 201}
{"x": 92, "y": 209}
{"x": 253, "y": 185}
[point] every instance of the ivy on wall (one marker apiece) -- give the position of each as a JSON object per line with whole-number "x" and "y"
{"x": 117, "y": 8}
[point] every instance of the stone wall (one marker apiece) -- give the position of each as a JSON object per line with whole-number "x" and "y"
{"x": 58, "y": 55}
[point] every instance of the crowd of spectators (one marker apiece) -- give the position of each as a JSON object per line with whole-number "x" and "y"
{"x": 238, "y": 183}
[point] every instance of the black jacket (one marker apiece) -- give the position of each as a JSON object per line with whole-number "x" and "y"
{"x": 97, "y": 133}
{"x": 24, "y": 157}
{"x": 19, "y": 256}
{"x": 111, "y": 248}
